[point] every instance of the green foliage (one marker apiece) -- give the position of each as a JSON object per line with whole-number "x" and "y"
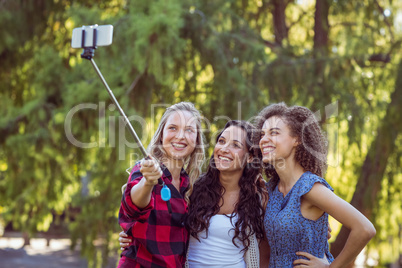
{"x": 218, "y": 54}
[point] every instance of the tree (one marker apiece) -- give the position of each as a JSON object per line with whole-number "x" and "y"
{"x": 372, "y": 172}
{"x": 221, "y": 55}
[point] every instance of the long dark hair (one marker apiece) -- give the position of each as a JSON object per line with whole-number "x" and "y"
{"x": 312, "y": 151}
{"x": 208, "y": 192}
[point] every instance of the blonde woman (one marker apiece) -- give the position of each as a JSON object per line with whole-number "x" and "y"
{"x": 159, "y": 238}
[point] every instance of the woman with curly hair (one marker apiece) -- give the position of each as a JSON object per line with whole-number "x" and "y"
{"x": 226, "y": 208}
{"x": 294, "y": 153}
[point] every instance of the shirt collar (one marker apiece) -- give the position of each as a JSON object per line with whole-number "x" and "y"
{"x": 167, "y": 173}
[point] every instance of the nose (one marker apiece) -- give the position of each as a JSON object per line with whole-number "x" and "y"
{"x": 224, "y": 148}
{"x": 265, "y": 138}
{"x": 180, "y": 134}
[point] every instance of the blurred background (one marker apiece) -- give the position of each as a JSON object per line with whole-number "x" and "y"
{"x": 59, "y": 197}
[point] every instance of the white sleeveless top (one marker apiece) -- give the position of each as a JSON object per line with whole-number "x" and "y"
{"x": 218, "y": 249}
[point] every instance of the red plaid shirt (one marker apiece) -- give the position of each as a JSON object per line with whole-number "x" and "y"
{"x": 159, "y": 238}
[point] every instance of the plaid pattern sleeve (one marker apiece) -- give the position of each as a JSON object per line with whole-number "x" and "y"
{"x": 130, "y": 211}
{"x": 159, "y": 238}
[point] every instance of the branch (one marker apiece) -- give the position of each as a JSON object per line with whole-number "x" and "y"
{"x": 11, "y": 127}
{"x": 258, "y": 14}
{"x": 379, "y": 57}
{"x": 270, "y": 44}
{"x": 350, "y": 24}
{"x": 298, "y": 20}
{"x": 134, "y": 83}
{"x": 385, "y": 20}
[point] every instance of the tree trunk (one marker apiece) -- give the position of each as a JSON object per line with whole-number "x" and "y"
{"x": 372, "y": 172}
{"x": 321, "y": 32}
{"x": 279, "y": 19}
{"x": 27, "y": 239}
{"x": 321, "y": 27}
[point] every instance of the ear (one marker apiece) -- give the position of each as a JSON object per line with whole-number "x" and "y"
{"x": 249, "y": 158}
{"x": 296, "y": 142}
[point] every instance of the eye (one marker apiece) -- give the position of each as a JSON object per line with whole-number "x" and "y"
{"x": 237, "y": 145}
{"x": 274, "y": 132}
{"x": 190, "y": 130}
{"x": 172, "y": 128}
{"x": 221, "y": 141}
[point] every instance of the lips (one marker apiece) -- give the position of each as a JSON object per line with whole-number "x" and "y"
{"x": 224, "y": 158}
{"x": 268, "y": 149}
{"x": 179, "y": 145}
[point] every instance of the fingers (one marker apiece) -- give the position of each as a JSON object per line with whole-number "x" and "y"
{"x": 150, "y": 166}
{"x": 123, "y": 188}
{"x": 311, "y": 262}
{"x": 124, "y": 240}
{"x": 125, "y": 244}
{"x": 305, "y": 254}
{"x": 301, "y": 262}
{"x": 151, "y": 171}
{"x": 329, "y": 232}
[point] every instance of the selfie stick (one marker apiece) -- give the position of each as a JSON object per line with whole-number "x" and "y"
{"x": 88, "y": 54}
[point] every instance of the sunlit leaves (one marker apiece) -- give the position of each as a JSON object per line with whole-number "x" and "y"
{"x": 221, "y": 55}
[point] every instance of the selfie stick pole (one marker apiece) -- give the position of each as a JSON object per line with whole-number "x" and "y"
{"x": 130, "y": 127}
{"x": 88, "y": 54}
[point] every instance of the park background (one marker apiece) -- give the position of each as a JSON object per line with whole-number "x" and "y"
{"x": 231, "y": 58}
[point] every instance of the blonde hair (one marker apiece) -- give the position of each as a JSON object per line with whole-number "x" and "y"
{"x": 195, "y": 160}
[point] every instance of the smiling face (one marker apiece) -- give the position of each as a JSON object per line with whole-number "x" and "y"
{"x": 231, "y": 152}
{"x": 276, "y": 142}
{"x": 179, "y": 135}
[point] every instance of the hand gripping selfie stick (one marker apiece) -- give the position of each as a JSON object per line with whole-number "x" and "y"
{"x": 88, "y": 54}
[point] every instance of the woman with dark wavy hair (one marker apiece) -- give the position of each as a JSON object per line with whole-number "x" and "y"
{"x": 294, "y": 153}
{"x": 226, "y": 207}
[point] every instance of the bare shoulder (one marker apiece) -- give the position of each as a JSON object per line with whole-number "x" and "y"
{"x": 319, "y": 191}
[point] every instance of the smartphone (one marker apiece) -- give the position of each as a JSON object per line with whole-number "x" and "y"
{"x": 104, "y": 36}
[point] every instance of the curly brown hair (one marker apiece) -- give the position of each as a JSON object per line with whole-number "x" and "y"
{"x": 208, "y": 192}
{"x": 311, "y": 153}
